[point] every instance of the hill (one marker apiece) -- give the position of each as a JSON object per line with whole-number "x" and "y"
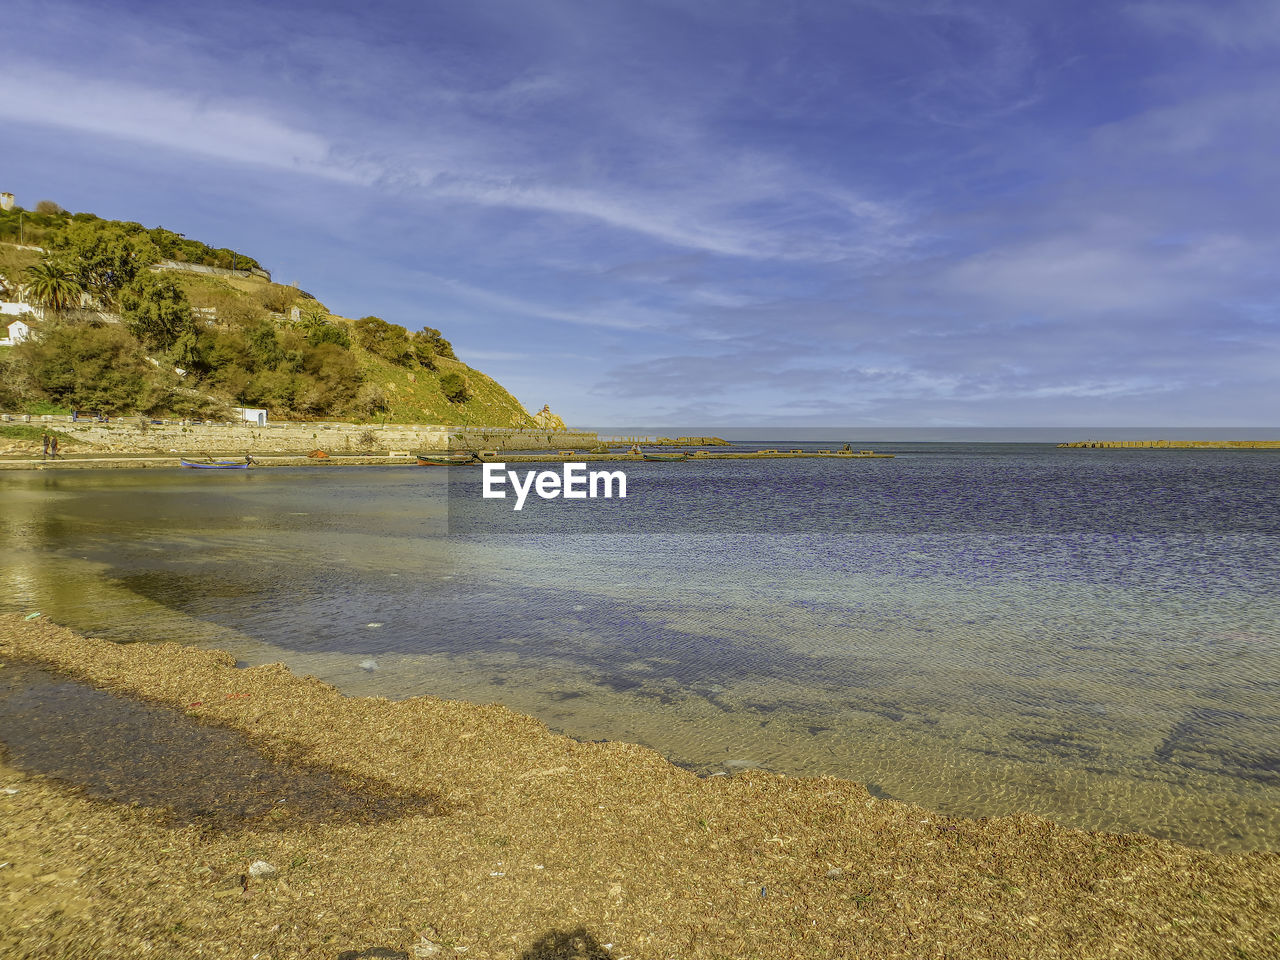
{"x": 137, "y": 320}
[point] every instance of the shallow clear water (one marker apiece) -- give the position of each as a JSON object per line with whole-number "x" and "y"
{"x": 1087, "y": 634}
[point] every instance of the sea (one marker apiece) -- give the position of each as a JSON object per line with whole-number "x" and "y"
{"x": 982, "y": 627}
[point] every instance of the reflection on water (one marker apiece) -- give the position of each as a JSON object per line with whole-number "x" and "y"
{"x": 1119, "y": 675}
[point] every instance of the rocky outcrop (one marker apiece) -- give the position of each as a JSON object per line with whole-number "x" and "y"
{"x": 547, "y": 420}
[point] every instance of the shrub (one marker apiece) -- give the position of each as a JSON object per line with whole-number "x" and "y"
{"x": 85, "y": 367}
{"x": 277, "y": 298}
{"x": 454, "y": 387}
{"x": 329, "y": 333}
{"x": 231, "y": 306}
{"x": 371, "y": 400}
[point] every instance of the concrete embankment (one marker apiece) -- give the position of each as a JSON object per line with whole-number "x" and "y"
{"x": 128, "y": 461}
{"x": 1174, "y": 444}
{"x": 238, "y": 439}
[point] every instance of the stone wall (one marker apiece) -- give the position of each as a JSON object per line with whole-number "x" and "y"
{"x": 212, "y": 271}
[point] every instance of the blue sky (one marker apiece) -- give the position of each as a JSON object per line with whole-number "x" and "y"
{"x": 870, "y": 212}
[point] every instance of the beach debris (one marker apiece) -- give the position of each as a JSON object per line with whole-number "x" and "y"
{"x": 373, "y": 626}
{"x": 370, "y": 664}
{"x": 9, "y": 791}
{"x": 32, "y": 616}
{"x": 834, "y": 873}
{"x": 427, "y": 948}
{"x": 260, "y": 868}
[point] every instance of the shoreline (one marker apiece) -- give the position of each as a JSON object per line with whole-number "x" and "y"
{"x": 542, "y": 833}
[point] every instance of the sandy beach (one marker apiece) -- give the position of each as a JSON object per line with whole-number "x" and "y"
{"x": 473, "y": 831}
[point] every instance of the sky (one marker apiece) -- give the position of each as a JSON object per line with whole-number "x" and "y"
{"x": 715, "y": 212}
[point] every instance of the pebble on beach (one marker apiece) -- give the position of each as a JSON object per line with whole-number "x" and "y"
{"x": 260, "y": 868}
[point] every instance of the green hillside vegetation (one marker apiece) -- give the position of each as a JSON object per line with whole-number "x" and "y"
{"x": 73, "y": 234}
{"x": 194, "y": 345}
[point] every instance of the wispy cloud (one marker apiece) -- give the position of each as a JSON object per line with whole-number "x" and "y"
{"x": 1231, "y": 24}
{"x": 187, "y": 123}
{"x": 620, "y": 316}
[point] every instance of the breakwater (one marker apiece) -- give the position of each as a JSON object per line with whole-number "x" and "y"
{"x": 665, "y": 441}
{"x": 1175, "y": 444}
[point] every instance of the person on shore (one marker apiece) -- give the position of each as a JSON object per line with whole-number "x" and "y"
{"x": 53, "y": 446}
{"x": 44, "y": 443}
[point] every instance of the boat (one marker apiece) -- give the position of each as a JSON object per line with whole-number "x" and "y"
{"x": 217, "y": 464}
{"x": 666, "y": 457}
{"x": 446, "y": 460}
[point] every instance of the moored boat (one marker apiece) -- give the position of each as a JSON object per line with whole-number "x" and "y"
{"x": 446, "y": 460}
{"x": 666, "y": 457}
{"x": 217, "y": 464}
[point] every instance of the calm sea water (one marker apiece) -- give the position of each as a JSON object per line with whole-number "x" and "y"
{"x": 984, "y": 629}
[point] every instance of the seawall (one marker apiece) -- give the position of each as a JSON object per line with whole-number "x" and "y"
{"x": 237, "y": 439}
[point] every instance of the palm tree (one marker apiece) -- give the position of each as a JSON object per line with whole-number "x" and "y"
{"x": 52, "y": 285}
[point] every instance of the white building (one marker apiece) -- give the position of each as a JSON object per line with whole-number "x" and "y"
{"x": 6, "y": 201}
{"x": 252, "y": 415}
{"x": 18, "y": 331}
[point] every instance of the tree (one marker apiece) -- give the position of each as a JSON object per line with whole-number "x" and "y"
{"x": 312, "y": 315}
{"x": 106, "y": 255}
{"x": 49, "y": 207}
{"x": 455, "y": 389}
{"x": 265, "y": 351}
{"x": 52, "y": 285}
{"x": 424, "y": 349}
{"x": 441, "y": 346}
{"x": 156, "y": 311}
{"x": 387, "y": 340}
